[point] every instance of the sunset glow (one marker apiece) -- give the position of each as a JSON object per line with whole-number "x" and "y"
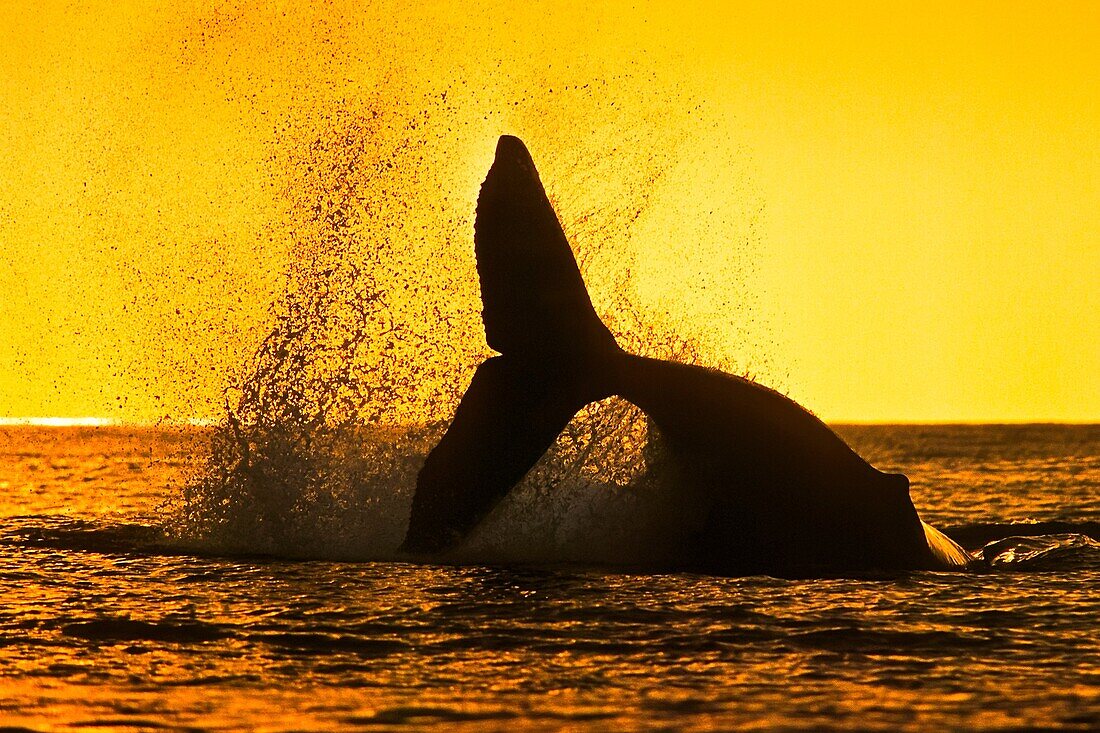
{"x": 888, "y": 211}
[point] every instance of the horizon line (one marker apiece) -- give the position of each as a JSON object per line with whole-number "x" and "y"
{"x": 106, "y": 422}
{"x": 100, "y": 422}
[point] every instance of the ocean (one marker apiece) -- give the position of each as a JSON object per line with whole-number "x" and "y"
{"x": 114, "y": 620}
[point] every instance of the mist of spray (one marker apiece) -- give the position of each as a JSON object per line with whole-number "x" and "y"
{"x": 377, "y": 332}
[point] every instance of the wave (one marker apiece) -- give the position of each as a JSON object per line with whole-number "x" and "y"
{"x": 612, "y": 531}
{"x": 1061, "y": 552}
{"x": 101, "y": 536}
{"x": 978, "y": 534}
{"x": 1031, "y": 544}
{"x": 126, "y": 629}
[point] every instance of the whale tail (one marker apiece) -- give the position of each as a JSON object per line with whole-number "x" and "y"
{"x": 556, "y": 356}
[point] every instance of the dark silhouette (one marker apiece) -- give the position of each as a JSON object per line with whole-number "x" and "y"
{"x": 782, "y": 493}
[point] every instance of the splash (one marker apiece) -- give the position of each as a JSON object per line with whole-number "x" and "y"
{"x": 335, "y": 408}
{"x": 377, "y": 333}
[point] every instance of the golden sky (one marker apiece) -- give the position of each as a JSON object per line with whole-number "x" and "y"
{"x": 889, "y": 210}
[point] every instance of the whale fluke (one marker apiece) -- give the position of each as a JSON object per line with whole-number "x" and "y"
{"x": 534, "y": 301}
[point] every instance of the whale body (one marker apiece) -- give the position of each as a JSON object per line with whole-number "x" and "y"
{"x": 781, "y": 492}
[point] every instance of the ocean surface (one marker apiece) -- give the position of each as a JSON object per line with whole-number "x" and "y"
{"x": 109, "y": 621}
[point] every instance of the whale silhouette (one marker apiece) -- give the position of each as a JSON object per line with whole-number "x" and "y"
{"x": 781, "y": 492}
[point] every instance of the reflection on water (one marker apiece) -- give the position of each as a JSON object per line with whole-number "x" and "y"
{"x": 103, "y": 626}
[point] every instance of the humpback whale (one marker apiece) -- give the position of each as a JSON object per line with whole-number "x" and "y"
{"x": 782, "y": 493}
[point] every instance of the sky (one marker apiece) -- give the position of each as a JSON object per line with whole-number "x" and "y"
{"x": 889, "y": 211}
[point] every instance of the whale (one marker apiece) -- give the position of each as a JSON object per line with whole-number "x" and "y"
{"x": 780, "y": 492}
